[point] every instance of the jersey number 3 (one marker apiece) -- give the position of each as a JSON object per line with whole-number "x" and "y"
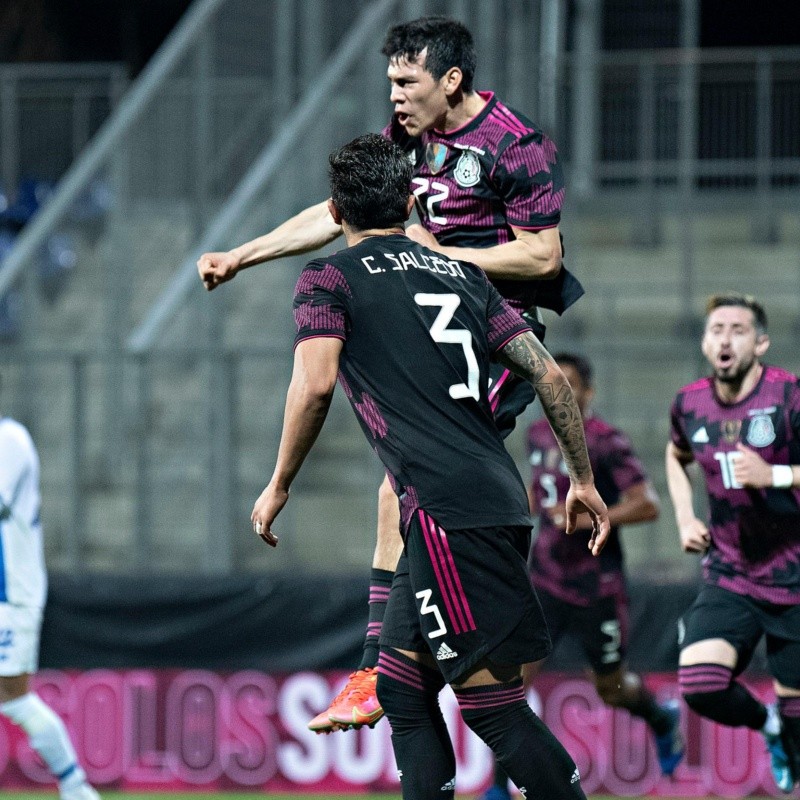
{"x": 448, "y": 303}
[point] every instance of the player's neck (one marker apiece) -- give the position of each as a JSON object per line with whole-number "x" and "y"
{"x": 463, "y": 112}
{"x": 734, "y": 392}
{"x": 353, "y": 237}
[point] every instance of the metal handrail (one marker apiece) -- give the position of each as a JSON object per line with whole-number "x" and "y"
{"x": 271, "y": 158}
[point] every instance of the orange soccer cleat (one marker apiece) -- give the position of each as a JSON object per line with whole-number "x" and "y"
{"x": 322, "y": 723}
{"x": 356, "y": 705}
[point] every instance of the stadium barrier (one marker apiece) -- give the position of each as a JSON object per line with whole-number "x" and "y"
{"x": 145, "y": 729}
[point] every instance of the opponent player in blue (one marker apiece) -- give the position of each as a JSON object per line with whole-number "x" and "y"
{"x": 23, "y": 590}
{"x": 742, "y": 427}
{"x": 410, "y": 336}
{"x": 489, "y": 186}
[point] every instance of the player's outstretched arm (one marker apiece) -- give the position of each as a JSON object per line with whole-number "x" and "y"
{"x": 309, "y": 230}
{"x": 532, "y": 255}
{"x": 526, "y": 356}
{"x": 693, "y": 533}
{"x": 316, "y": 365}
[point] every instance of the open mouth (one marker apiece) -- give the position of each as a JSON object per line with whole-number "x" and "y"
{"x": 402, "y": 117}
{"x": 725, "y": 360}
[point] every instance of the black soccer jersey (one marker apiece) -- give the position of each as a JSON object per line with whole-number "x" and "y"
{"x": 475, "y": 183}
{"x": 418, "y": 335}
{"x": 755, "y": 547}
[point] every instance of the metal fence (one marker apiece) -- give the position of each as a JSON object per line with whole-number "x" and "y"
{"x": 199, "y": 432}
{"x": 49, "y": 112}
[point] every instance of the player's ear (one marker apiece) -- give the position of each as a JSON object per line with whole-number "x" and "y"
{"x": 409, "y": 205}
{"x": 334, "y": 212}
{"x": 451, "y": 81}
{"x": 762, "y": 345}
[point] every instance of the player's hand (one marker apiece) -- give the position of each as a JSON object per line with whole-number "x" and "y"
{"x": 267, "y": 507}
{"x": 694, "y": 536}
{"x": 216, "y": 268}
{"x": 750, "y": 470}
{"x": 585, "y": 498}
{"x": 558, "y": 516}
{"x": 422, "y": 236}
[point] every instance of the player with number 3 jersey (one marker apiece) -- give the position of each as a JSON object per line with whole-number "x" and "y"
{"x": 410, "y": 336}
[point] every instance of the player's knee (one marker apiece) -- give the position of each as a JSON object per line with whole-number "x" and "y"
{"x": 703, "y": 686}
{"x": 387, "y": 694}
{"x": 619, "y": 688}
{"x": 704, "y": 703}
{"x": 610, "y": 694}
{"x": 406, "y": 689}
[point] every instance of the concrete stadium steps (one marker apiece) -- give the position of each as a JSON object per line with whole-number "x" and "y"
{"x": 139, "y": 256}
{"x": 628, "y": 324}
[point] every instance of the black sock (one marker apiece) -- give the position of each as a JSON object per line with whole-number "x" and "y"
{"x": 409, "y": 694}
{"x": 709, "y": 689}
{"x": 380, "y": 582}
{"x": 534, "y": 759}
{"x": 644, "y": 705}
{"x": 500, "y": 776}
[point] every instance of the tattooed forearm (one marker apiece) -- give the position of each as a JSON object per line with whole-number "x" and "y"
{"x": 526, "y": 356}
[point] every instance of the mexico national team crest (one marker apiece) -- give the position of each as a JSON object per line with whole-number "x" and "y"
{"x": 468, "y": 169}
{"x": 435, "y": 154}
{"x": 761, "y": 431}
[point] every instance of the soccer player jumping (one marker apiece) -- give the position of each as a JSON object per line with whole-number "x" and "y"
{"x": 410, "y": 336}
{"x": 489, "y": 187}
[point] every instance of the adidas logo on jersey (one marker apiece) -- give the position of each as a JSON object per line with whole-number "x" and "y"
{"x": 449, "y": 786}
{"x": 700, "y": 436}
{"x": 444, "y": 652}
{"x": 576, "y": 776}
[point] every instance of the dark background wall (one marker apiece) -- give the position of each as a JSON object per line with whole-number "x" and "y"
{"x": 132, "y": 30}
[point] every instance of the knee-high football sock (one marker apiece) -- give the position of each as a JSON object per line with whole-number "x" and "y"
{"x": 380, "y": 582}
{"x": 709, "y": 689}
{"x": 409, "y": 694}
{"x": 524, "y": 746}
{"x": 47, "y": 736}
{"x": 640, "y": 702}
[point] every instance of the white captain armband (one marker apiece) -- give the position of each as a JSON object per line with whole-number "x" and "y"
{"x": 782, "y": 476}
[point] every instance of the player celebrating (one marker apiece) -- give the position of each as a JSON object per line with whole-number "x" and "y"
{"x": 488, "y": 184}
{"x": 461, "y": 607}
{"x": 23, "y": 588}
{"x": 742, "y": 426}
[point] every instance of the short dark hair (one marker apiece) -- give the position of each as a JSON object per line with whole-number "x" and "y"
{"x": 580, "y": 364}
{"x": 449, "y": 44}
{"x": 370, "y": 182}
{"x": 739, "y": 300}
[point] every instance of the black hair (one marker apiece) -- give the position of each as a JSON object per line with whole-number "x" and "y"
{"x": 741, "y": 301}
{"x": 580, "y": 364}
{"x": 449, "y": 44}
{"x": 370, "y": 181}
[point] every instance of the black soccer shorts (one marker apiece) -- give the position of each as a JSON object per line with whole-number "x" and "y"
{"x": 463, "y": 596}
{"x": 718, "y": 613}
{"x": 601, "y": 628}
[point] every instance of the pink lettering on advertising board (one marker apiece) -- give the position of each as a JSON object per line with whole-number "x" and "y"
{"x": 141, "y": 730}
